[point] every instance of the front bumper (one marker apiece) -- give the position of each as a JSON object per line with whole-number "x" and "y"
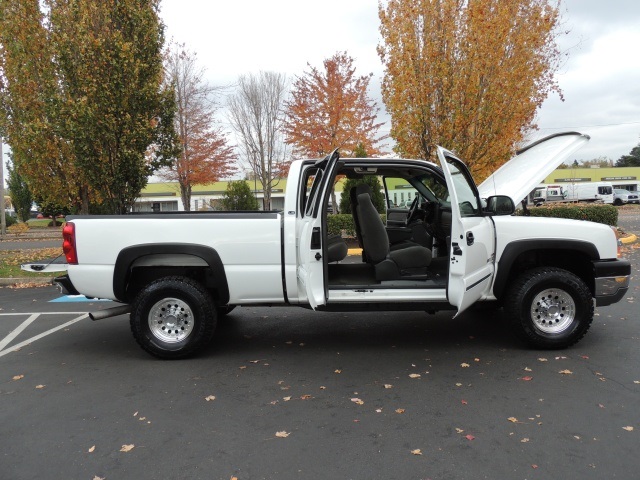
{"x": 611, "y": 281}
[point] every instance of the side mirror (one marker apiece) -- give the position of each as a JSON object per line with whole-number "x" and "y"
{"x": 500, "y": 205}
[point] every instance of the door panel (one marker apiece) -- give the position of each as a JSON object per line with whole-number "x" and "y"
{"x": 472, "y": 251}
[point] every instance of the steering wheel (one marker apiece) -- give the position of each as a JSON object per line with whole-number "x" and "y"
{"x": 412, "y": 211}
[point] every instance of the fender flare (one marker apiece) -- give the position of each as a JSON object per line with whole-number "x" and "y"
{"x": 128, "y": 255}
{"x": 514, "y": 249}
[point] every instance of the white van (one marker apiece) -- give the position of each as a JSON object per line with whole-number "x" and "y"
{"x": 590, "y": 192}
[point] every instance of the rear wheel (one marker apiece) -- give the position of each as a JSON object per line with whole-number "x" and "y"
{"x": 173, "y": 317}
{"x": 549, "y": 308}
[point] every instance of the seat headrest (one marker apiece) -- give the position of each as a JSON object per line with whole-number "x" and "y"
{"x": 363, "y": 188}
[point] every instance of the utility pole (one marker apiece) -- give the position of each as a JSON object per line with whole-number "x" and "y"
{"x": 3, "y": 220}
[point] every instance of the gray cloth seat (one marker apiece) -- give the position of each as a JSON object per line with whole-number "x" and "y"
{"x": 336, "y": 248}
{"x": 353, "y": 194}
{"x": 409, "y": 262}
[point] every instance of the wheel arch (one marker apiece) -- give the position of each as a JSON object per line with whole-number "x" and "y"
{"x": 575, "y": 256}
{"x": 170, "y": 259}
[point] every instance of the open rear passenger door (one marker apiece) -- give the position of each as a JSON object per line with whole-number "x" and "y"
{"x": 311, "y": 270}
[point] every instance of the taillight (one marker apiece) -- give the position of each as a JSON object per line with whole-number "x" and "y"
{"x": 69, "y": 243}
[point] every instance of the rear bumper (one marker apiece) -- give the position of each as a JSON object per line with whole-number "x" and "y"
{"x": 64, "y": 282}
{"x": 611, "y": 281}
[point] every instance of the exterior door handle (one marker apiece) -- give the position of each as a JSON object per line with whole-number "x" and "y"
{"x": 470, "y": 238}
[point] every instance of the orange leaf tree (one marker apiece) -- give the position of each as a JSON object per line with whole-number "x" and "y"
{"x": 205, "y": 154}
{"x": 467, "y": 74}
{"x": 331, "y": 108}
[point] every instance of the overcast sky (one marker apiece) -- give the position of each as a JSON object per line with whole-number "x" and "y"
{"x": 600, "y": 80}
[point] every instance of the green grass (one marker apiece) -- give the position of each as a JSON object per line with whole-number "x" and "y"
{"x": 10, "y": 261}
{"x": 39, "y": 222}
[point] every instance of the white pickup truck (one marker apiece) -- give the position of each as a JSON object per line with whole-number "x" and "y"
{"x": 458, "y": 244}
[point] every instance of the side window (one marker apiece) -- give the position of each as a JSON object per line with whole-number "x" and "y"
{"x": 311, "y": 178}
{"x": 465, "y": 190}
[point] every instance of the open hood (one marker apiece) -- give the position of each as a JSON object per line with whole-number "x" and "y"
{"x": 524, "y": 172}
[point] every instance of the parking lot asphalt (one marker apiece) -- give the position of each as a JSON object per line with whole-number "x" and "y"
{"x": 286, "y": 393}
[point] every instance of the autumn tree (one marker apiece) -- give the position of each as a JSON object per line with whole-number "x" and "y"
{"x": 82, "y": 97}
{"x": 239, "y": 196}
{"x": 205, "y": 155}
{"x": 30, "y": 106}
{"x": 256, "y": 114}
{"x": 331, "y": 108}
{"x": 468, "y": 75}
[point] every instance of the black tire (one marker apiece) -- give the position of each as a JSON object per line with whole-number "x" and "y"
{"x": 549, "y": 308}
{"x": 617, "y": 202}
{"x": 173, "y": 317}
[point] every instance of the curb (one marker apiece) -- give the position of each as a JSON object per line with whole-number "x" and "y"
{"x": 8, "y": 282}
{"x": 630, "y": 239}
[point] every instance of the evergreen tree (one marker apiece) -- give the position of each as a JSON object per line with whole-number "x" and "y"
{"x": 631, "y": 160}
{"x": 377, "y": 197}
{"x": 239, "y": 197}
{"x": 20, "y": 194}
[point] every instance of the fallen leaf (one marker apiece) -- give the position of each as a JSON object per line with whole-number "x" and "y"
{"x": 378, "y": 410}
{"x": 527, "y": 379}
{"x": 636, "y": 381}
{"x": 414, "y": 375}
{"x": 534, "y": 466}
{"x": 387, "y": 385}
{"x": 39, "y": 387}
{"x": 98, "y": 478}
{"x": 357, "y": 401}
{"x": 233, "y": 477}
{"x": 459, "y": 430}
{"x": 416, "y": 452}
{"x": 601, "y": 405}
{"x": 305, "y": 397}
{"x": 135, "y": 414}
{"x": 513, "y": 419}
{"x": 465, "y": 365}
{"x": 458, "y": 384}
{"x": 527, "y": 369}
{"x": 18, "y": 377}
{"x": 464, "y": 402}
{"x": 542, "y": 359}
{"x": 585, "y": 357}
{"x": 476, "y": 359}
{"x": 399, "y": 410}
{"x": 210, "y": 398}
{"x": 524, "y": 440}
{"x": 127, "y": 448}
{"x": 470, "y": 437}
{"x": 628, "y": 429}
{"x": 337, "y": 371}
{"x": 566, "y": 372}
{"x": 92, "y": 449}
{"x": 286, "y": 399}
{"x": 283, "y": 434}
{"x": 323, "y": 388}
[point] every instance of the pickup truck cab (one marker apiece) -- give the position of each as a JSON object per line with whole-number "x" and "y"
{"x": 458, "y": 244}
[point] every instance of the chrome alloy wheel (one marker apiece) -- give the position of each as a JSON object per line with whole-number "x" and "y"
{"x": 171, "y": 320}
{"x": 553, "y": 310}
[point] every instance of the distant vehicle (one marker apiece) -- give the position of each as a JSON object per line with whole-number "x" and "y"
{"x": 549, "y": 193}
{"x": 622, "y": 196}
{"x": 590, "y": 192}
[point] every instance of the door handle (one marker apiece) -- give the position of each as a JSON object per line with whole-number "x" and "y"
{"x": 456, "y": 249}
{"x": 470, "y": 238}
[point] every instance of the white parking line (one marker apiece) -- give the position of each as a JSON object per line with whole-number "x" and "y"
{"x": 8, "y": 339}
{"x": 13, "y": 348}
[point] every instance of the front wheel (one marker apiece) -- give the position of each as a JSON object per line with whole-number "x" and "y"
{"x": 549, "y": 308}
{"x": 173, "y": 317}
